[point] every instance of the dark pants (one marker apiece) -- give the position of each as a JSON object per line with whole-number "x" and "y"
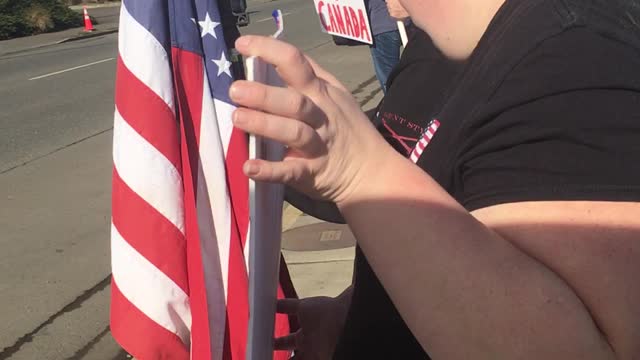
{"x": 385, "y": 53}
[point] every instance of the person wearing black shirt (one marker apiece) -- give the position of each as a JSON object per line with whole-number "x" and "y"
{"x": 509, "y": 230}
{"x": 400, "y": 117}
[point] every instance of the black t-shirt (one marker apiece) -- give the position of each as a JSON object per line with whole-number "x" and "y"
{"x": 546, "y": 108}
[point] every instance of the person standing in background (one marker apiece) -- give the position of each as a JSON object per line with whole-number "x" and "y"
{"x": 385, "y": 51}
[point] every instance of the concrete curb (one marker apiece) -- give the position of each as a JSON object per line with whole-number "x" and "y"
{"x": 36, "y": 47}
{"x": 87, "y": 36}
{"x": 65, "y": 40}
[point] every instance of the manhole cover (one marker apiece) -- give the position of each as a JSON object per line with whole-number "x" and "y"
{"x": 322, "y": 236}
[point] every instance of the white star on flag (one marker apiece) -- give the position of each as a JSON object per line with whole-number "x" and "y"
{"x": 223, "y": 65}
{"x": 208, "y": 26}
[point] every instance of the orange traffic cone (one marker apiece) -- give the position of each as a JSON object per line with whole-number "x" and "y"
{"x": 88, "y": 26}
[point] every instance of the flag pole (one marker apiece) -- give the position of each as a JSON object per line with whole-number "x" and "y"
{"x": 266, "y": 201}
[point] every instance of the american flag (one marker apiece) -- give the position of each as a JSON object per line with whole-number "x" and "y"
{"x": 180, "y": 201}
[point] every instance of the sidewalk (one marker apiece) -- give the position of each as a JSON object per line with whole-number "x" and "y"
{"x": 106, "y": 14}
{"x": 95, "y": 6}
{"x": 319, "y": 255}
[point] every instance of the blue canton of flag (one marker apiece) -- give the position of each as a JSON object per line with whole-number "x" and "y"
{"x": 206, "y": 39}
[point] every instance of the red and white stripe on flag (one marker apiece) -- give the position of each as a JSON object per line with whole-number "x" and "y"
{"x": 180, "y": 212}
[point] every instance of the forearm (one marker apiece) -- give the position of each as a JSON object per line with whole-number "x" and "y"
{"x": 464, "y": 291}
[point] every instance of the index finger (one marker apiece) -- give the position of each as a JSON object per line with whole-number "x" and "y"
{"x": 290, "y": 62}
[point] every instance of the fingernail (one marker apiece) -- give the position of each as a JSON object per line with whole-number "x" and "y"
{"x": 242, "y": 42}
{"x": 250, "y": 169}
{"x": 235, "y": 92}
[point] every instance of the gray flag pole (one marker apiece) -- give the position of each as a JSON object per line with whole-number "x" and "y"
{"x": 265, "y": 206}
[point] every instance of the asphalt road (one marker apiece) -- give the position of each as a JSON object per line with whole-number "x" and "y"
{"x": 46, "y": 111}
{"x": 56, "y": 108}
{"x": 42, "y": 115}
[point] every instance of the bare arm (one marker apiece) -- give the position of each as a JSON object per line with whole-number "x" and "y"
{"x": 468, "y": 290}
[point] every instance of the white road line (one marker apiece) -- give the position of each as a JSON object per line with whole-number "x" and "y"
{"x": 271, "y": 18}
{"x": 71, "y": 69}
